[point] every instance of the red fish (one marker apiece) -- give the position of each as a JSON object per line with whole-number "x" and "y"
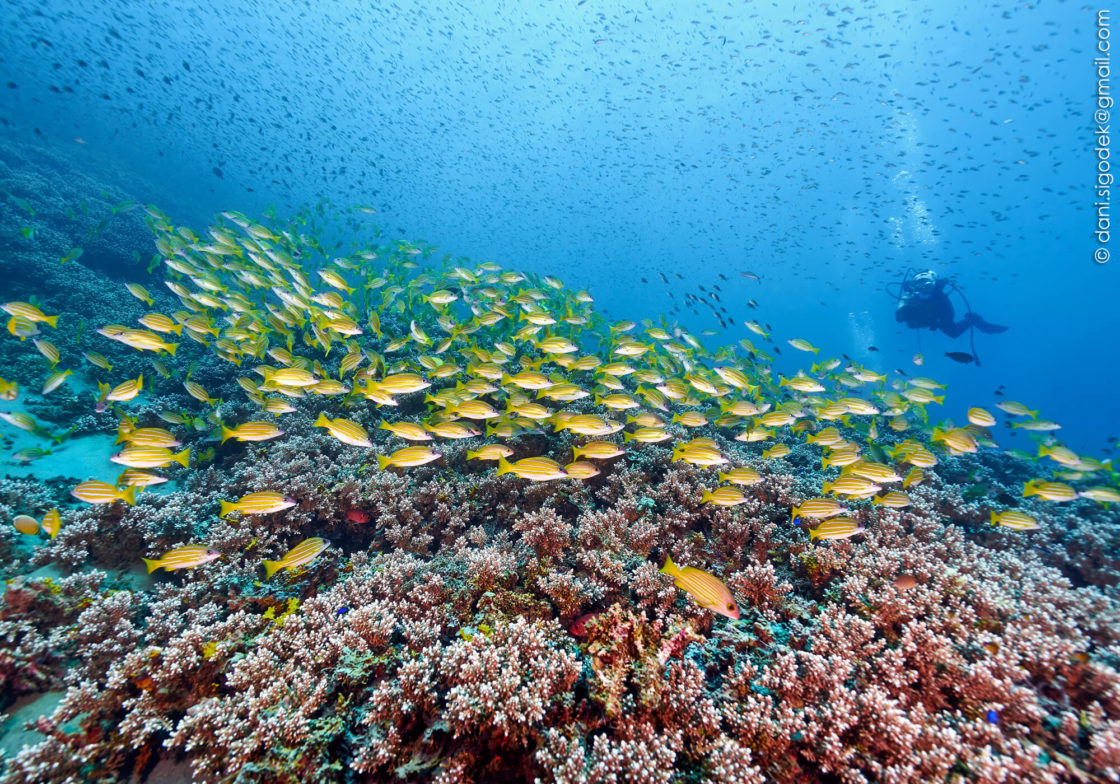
{"x": 357, "y": 516}
{"x": 578, "y": 627}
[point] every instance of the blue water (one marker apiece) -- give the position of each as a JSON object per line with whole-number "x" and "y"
{"x": 825, "y": 147}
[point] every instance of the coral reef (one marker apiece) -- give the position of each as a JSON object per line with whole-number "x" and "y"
{"x": 467, "y": 624}
{"x": 443, "y": 656}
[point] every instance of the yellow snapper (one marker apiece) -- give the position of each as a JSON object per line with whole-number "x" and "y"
{"x": 836, "y": 528}
{"x": 150, "y": 457}
{"x": 1013, "y": 518}
{"x": 892, "y": 500}
{"x": 600, "y": 450}
{"x": 581, "y": 469}
{"x": 723, "y": 496}
{"x": 410, "y": 431}
{"x": 707, "y": 591}
{"x": 127, "y": 390}
{"x": 185, "y": 557}
{"x": 818, "y": 507}
{"x": 408, "y": 457}
{"x": 1051, "y": 491}
{"x": 537, "y": 469}
{"x": 252, "y": 431}
{"x": 95, "y": 492}
{"x": 26, "y": 310}
{"x": 489, "y": 452}
{"x": 263, "y": 502}
{"x": 52, "y": 523}
{"x": 303, "y": 553}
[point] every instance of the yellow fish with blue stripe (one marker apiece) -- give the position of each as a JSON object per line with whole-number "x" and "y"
{"x": 263, "y": 502}
{"x": 408, "y": 457}
{"x": 537, "y": 469}
{"x": 186, "y": 557}
{"x": 707, "y": 590}
{"x": 29, "y": 312}
{"x": 345, "y": 430}
{"x": 303, "y": 553}
{"x": 252, "y": 431}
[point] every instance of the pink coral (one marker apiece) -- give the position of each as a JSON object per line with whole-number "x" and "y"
{"x": 505, "y": 681}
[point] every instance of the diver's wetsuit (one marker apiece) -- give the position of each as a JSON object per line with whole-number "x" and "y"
{"x": 935, "y": 311}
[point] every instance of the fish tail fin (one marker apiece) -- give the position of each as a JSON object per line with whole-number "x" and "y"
{"x": 627, "y": 438}
{"x": 705, "y": 496}
{"x": 171, "y": 348}
{"x": 994, "y": 520}
{"x": 227, "y": 507}
{"x": 184, "y": 458}
{"x": 322, "y": 420}
{"x": 814, "y": 534}
{"x": 504, "y": 466}
{"x": 669, "y": 568}
{"x": 177, "y": 329}
{"x": 129, "y": 496}
{"x": 227, "y": 434}
{"x": 152, "y": 564}
{"x": 52, "y": 320}
{"x": 383, "y": 462}
{"x": 271, "y": 567}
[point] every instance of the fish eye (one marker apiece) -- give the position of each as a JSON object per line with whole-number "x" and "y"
{"x": 731, "y": 607}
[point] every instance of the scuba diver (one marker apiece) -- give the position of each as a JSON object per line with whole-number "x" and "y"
{"x": 923, "y": 303}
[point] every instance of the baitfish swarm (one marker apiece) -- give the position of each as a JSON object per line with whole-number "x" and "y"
{"x": 500, "y": 354}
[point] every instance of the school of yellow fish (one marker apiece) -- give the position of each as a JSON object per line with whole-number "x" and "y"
{"x": 497, "y": 353}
